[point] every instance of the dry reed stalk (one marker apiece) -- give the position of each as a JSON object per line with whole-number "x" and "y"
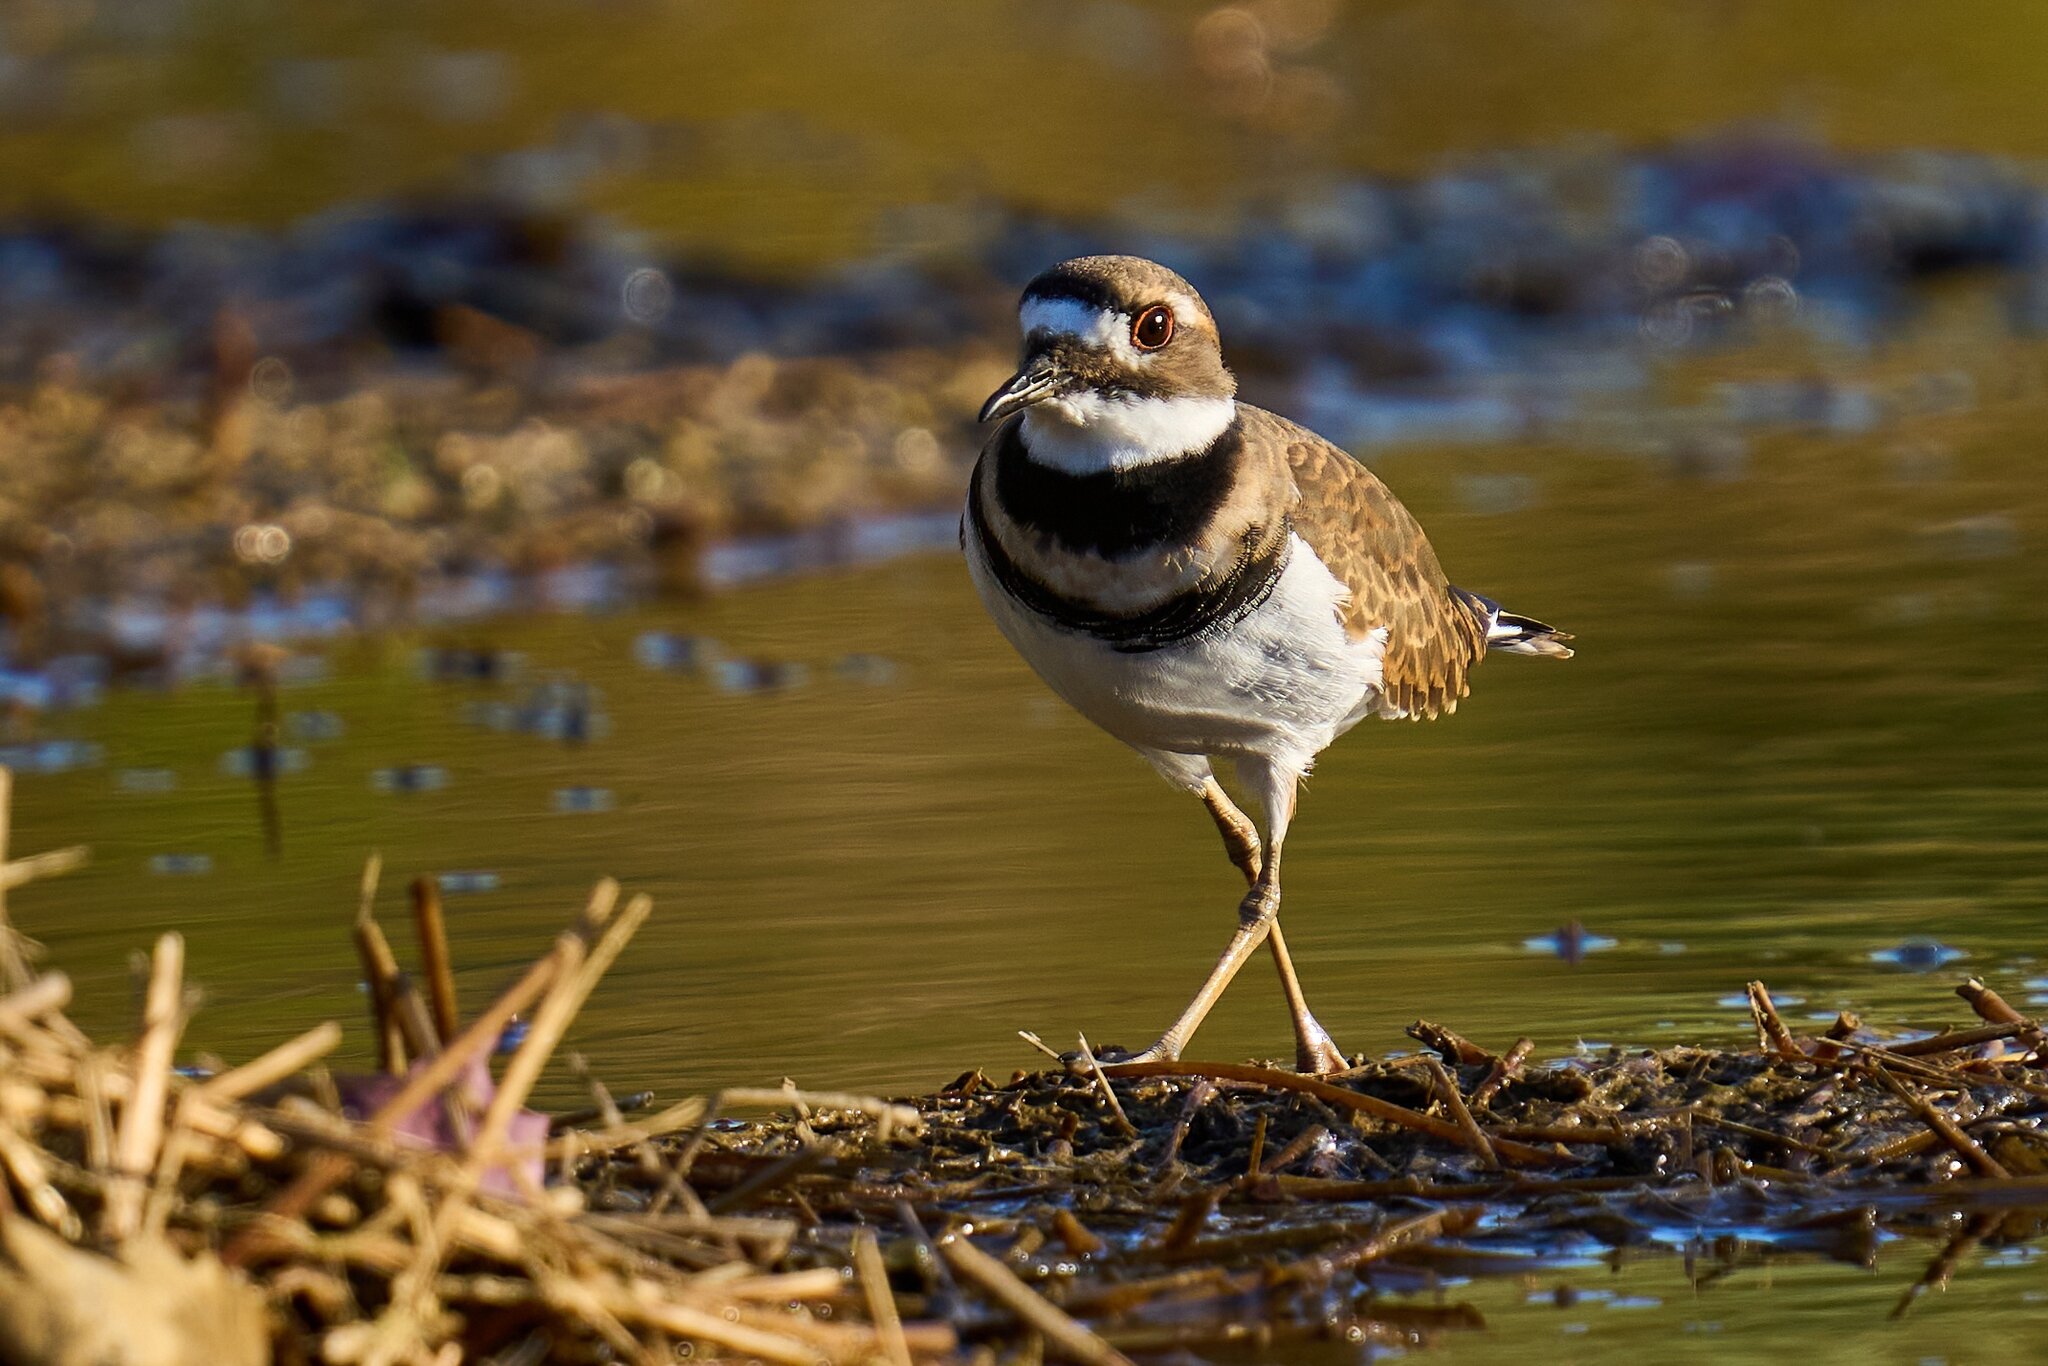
{"x": 550, "y": 1021}
{"x": 1934, "y": 1073}
{"x": 684, "y": 1114}
{"x": 888, "y": 1115}
{"x": 1107, "y": 1092}
{"x": 1972, "y": 1152}
{"x": 22, "y": 1010}
{"x": 1235, "y": 1247}
{"x": 1199, "y": 1095}
{"x": 1992, "y": 1007}
{"x": 31, "y": 1174}
{"x": 881, "y": 1300}
{"x": 1042, "y": 1046}
{"x": 815, "y": 1283}
{"x": 1602, "y": 1135}
{"x": 1951, "y": 1040}
{"x": 1771, "y": 1034}
{"x": 1504, "y": 1070}
{"x": 1255, "y": 1159}
{"x": 95, "y": 1120}
{"x": 366, "y": 885}
{"x": 1187, "y": 1222}
{"x": 14, "y": 969}
{"x": 26, "y": 870}
{"x": 1104, "y": 1300}
{"x": 1321, "y": 1269}
{"x": 1762, "y": 1135}
{"x": 1454, "y": 1104}
{"x": 776, "y": 1174}
{"x": 380, "y": 971}
{"x": 1062, "y": 1333}
{"x": 411, "y": 1304}
{"x": 328, "y": 1169}
{"x": 434, "y": 961}
{"x": 850, "y": 1343}
{"x": 1452, "y": 1047}
{"x": 1847, "y": 1022}
{"x": 1989, "y": 1005}
{"x": 637, "y": 1303}
{"x": 1296, "y": 1149}
{"x": 1074, "y": 1235}
{"x": 112, "y": 1084}
{"x": 179, "y": 1147}
{"x": 142, "y": 1117}
{"x": 281, "y": 1063}
{"x": 597, "y": 910}
{"x": 761, "y": 1240}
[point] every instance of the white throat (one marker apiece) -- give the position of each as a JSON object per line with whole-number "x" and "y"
{"x": 1087, "y": 433}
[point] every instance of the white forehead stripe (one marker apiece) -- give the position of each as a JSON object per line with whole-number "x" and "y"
{"x": 1072, "y": 318}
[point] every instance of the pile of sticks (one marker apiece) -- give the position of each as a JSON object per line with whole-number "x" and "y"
{"x": 151, "y": 1214}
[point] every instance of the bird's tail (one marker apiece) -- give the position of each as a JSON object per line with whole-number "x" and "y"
{"x": 1515, "y": 635}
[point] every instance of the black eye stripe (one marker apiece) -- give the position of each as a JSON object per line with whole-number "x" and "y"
{"x": 1052, "y": 286}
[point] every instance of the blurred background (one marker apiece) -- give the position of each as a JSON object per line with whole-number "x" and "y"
{"x": 579, "y": 395}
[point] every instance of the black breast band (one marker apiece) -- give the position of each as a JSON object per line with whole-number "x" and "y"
{"x": 1203, "y": 610}
{"x": 1115, "y": 512}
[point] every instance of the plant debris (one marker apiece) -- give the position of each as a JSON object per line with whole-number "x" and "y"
{"x": 1114, "y": 1212}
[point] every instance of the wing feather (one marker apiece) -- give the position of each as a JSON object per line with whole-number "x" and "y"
{"x": 1376, "y": 549}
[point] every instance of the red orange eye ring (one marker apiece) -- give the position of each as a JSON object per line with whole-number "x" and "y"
{"x": 1153, "y": 329}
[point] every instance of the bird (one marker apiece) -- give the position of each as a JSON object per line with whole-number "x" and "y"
{"x": 1205, "y": 580}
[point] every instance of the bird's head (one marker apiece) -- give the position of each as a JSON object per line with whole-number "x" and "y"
{"x": 1121, "y": 365}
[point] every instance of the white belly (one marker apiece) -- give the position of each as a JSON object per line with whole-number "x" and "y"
{"x": 1282, "y": 683}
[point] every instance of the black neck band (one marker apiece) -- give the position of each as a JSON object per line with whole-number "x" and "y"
{"x": 1115, "y": 512}
{"x": 1204, "y": 610}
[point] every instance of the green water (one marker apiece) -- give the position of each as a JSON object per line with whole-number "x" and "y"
{"x": 1759, "y": 1311}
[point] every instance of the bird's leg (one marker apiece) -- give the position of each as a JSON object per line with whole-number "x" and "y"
{"x": 1314, "y": 1050}
{"x": 1240, "y": 836}
{"x": 1257, "y": 917}
{"x": 1251, "y": 932}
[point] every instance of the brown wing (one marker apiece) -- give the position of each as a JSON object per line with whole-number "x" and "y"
{"x": 1376, "y": 549}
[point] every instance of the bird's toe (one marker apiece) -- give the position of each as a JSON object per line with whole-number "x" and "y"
{"x": 1319, "y": 1057}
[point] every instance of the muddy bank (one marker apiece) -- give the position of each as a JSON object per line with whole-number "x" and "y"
{"x": 386, "y": 406}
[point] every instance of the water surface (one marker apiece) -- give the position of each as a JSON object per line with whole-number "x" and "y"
{"x": 1804, "y": 728}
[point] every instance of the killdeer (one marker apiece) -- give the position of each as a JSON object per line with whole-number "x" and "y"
{"x": 1203, "y": 579}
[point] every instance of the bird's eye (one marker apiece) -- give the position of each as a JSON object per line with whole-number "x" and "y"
{"x": 1153, "y": 329}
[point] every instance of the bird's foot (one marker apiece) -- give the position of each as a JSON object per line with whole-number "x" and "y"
{"x": 1077, "y": 1061}
{"x": 1315, "y": 1053}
